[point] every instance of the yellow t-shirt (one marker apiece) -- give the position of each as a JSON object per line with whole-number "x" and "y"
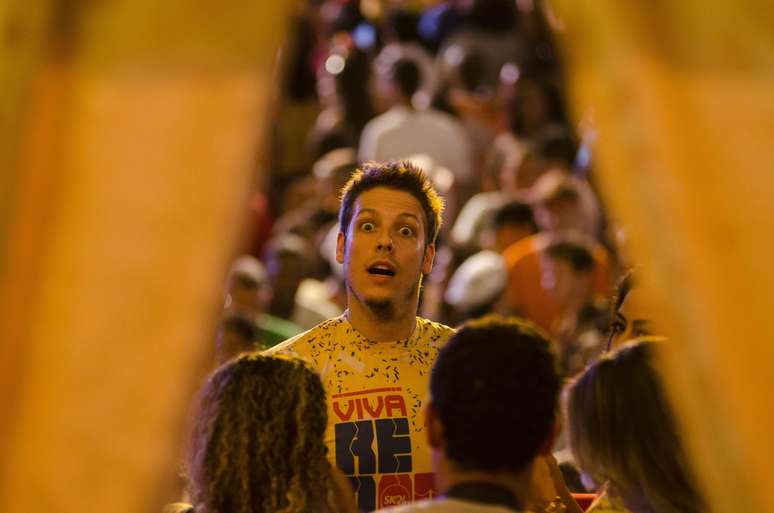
{"x": 375, "y": 393}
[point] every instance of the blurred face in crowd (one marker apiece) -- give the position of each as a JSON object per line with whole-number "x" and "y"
{"x": 630, "y": 319}
{"x": 529, "y": 170}
{"x": 247, "y": 295}
{"x": 384, "y": 252}
{"x": 559, "y": 213}
{"x": 509, "y": 233}
{"x": 534, "y": 105}
{"x": 570, "y": 289}
{"x": 245, "y": 298}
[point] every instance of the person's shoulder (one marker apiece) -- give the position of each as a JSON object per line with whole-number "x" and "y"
{"x": 526, "y": 247}
{"x": 384, "y": 122}
{"x": 444, "y": 121}
{"x": 178, "y": 507}
{"x": 441, "y": 505}
{"x": 423, "y": 505}
{"x": 433, "y": 332}
{"x": 274, "y": 330}
{"x": 300, "y": 344}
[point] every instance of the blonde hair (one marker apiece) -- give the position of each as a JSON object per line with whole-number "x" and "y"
{"x": 621, "y": 430}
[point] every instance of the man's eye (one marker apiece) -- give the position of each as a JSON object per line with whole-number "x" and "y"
{"x": 367, "y": 226}
{"x": 406, "y": 231}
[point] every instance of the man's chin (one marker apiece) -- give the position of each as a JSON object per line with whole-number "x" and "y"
{"x": 382, "y": 308}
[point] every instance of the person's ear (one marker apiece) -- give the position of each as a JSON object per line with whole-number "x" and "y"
{"x": 427, "y": 261}
{"x": 340, "y": 240}
{"x": 433, "y": 428}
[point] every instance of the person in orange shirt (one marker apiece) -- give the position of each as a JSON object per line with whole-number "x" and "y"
{"x": 558, "y": 210}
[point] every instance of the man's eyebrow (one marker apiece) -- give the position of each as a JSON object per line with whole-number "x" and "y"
{"x": 408, "y": 214}
{"x": 373, "y": 211}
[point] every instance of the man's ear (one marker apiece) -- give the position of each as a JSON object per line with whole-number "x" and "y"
{"x": 340, "y": 248}
{"x": 427, "y": 261}
{"x": 433, "y": 428}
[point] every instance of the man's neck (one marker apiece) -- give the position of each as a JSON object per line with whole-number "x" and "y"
{"x": 517, "y": 484}
{"x": 377, "y": 329}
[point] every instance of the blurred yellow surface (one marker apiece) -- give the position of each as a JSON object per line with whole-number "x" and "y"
{"x": 682, "y": 95}
{"x": 134, "y": 145}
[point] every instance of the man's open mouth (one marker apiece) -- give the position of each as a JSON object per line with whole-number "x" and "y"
{"x": 381, "y": 270}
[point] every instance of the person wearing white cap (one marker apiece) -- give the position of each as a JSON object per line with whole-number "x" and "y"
{"x": 475, "y": 287}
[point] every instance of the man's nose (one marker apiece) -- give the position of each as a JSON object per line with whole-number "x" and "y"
{"x": 384, "y": 243}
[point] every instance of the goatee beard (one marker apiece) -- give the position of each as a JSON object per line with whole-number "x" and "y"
{"x": 383, "y": 310}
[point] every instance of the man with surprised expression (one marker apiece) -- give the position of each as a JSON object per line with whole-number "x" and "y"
{"x": 385, "y": 253}
{"x": 375, "y": 359}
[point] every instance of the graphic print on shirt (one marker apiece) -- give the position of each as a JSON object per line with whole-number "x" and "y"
{"x": 373, "y": 448}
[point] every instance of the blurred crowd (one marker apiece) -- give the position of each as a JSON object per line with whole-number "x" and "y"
{"x": 471, "y": 92}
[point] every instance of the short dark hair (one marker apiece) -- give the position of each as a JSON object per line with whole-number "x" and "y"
{"x": 555, "y": 144}
{"x": 579, "y": 258}
{"x": 514, "y": 212}
{"x": 402, "y": 23}
{"x": 494, "y": 388}
{"x": 398, "y": 175}
{"x": 471, "y": 71}
{"x": 407, "y": 77}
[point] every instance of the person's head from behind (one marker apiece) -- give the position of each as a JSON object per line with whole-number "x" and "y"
{"x": 567, "y": 274}
{"x": 352, "y": 89}
{"x": 401, "y": 25}
{"x": 237, "y": 334}
{"x": 331, "y": 172}
{"x": 288, "y": 263}
{"x": 257, "y": 444}
{"x": 389, "y": 219}
{"x": 494, "y": 391}
{"x": 558, "y": 205}
{"x": 551, "y": 148}
{"x": 247, "y": 286}
{"x": 621, "y": 430}
{"x": 493, "y": 16}
{"x": 405, "y": 80}
{"x": 511, "y": 223}
{"x": 535, "y": 105}
{"x": 469, "y": 75}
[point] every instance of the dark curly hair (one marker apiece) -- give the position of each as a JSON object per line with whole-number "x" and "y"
{"x": 257, "y": 444}
{"x": 398, "y": 175}
{"x": 494, "y": 388}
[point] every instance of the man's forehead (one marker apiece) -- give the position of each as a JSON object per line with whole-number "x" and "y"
{"x": 386, "y": 201}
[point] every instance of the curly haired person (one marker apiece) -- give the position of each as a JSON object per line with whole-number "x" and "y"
{"x": 257, "y": 444}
